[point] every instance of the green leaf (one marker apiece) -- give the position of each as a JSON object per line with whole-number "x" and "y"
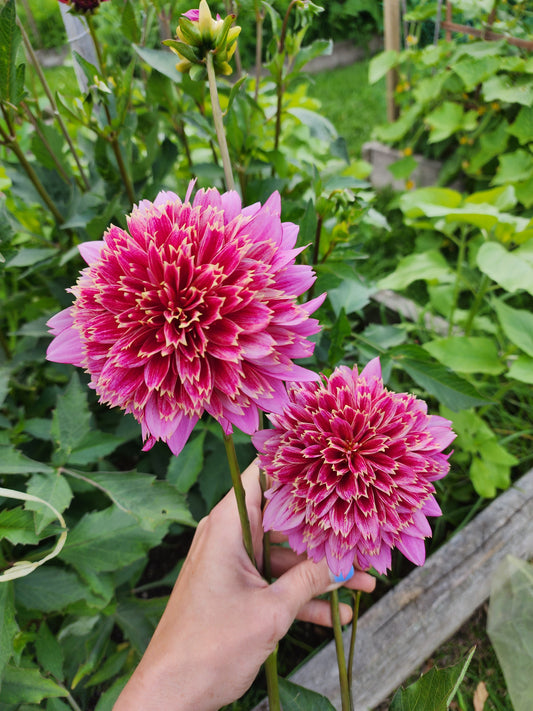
{"x": 129, "y": 26}
{"x": 491, "y": 144}
{"x": 429, "y": 201}
{"x": 49, "y": 652}
{"x": 429, "y": 266}
{"x": 434, "y": 691}
{"x": 351, "y": 295}
{"x": 393, "y": 132}
{"x": 16, "y": 525}
{"x": 473, "y": 71}
{"x": 9, "y": 627}
{"x": 517, "y": 324}
{"x": 522, "y": 369}
{"x": 402, "y": 168}
{"x": 150, "y": 501}
{"x": 14, "y": 462}
{"x": 449, "y": 389}
{"x": 107, "y": 700}
{"x": 161, "y": 60}
{"x": 319, "y": 126}
{"x": 522, "y": 126}
{"x": 339, "y": 334}
{"x": 509, "y": 89}
{"x": 27, "y": 257}
{"x": 507, "y": 269}
{"x": 488, "y": 475}
{"x": 381, "y": 64}
{"x": 95, "y": 445}
{"x": 445, "y": 120}
{"x": 514, "y": 167}
{"x": 49, "y": 589}
{"x": 11, "y": 75}
{"x": 138, "y": 619}
{"x": 298, "y": 698}
{"x": 108, "y": 540}
{"x": 54, "y": 489}
{"x": 467, "y": 354}
{"x": 70, "y": 421}
{"x": 5, "y": 374}
{"x": 183, "y": 471}
{"x": 27, "y": 685}
{"x": 318, "y": 48}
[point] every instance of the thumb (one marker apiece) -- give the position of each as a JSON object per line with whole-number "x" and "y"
{"x": 302, "y": 582}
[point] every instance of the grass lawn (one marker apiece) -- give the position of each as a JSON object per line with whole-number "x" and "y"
{"x": 350, "y": 103}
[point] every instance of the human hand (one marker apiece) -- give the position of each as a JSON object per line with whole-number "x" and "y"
{"x": 223, "y": 619}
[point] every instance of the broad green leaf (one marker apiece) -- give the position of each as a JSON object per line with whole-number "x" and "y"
{"x": 508, "y": 89}
{"x": 429, "y": 266}
{"x": 70, "y": 421}
{"x": 393, "y": 132}
{"x": 351, "y": 295}
{"x": 475, "y": 71}
{"x": 319, "y": 126}
{"x": 318, "y": 48}
{"x": 514, "y": 167}
{"x": 522, "y": 126}
{"x": 507, "y": 269}
{"x": 95, "y": 445}
{"x": 49, "y": 652}
{"x": 150, "y": 501}
{"x": 517, "y": 324}
{"x": 444, "y": 121}
{"x": 50, "y": 589}
{"x": 434, "y": 691}
{"x": 138, "y": 618}
{"x": 503, "y": 198}
{"x": 108, "y": 540}
{"x": 297, "y": 698}
{"x": 339, "y": 335}
{"x": 522, "y": 369}
{"x": 11, "y": 74}
{"x": 416, "y": 203}
{"x": 53, "y": 488}
{"x": 27, "y": 685}
{"x": 491, "y": 144}
{"x": 381, "y": 64}
{"x": 16, "y": 525}
{"x": 9, "y": 627}
{"x": 449, "y": 389}
{"x": 108, "y": 698}
{"x": 402, "y": 168}
{"x": 129, "y": 26}
{"x": 488, "y": 474}
{"x": 183, "y": 471}
{"x": 467, "y": 354}
{"x": 27, "y": 257}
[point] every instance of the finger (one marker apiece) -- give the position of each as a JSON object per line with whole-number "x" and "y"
{"x": 361, "y": 581}
{"x": 318, "y": 612}
{"x": 301, "y": 583}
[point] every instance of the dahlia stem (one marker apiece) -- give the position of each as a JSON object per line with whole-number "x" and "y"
{"x": 339, "y": 647}
{"x": 240, "y": 496}
{"x": 356, "y": 600}
{"x": 219, "y": 123}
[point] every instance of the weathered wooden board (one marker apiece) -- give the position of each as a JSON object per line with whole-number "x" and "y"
{"x": 397, "y": 634}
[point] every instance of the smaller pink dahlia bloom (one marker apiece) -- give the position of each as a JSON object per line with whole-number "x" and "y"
{"x": 193, "y": 308}
{"x": 352, "y": 466}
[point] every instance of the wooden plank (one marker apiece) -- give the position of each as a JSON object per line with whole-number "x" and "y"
{"x": 391, "y": 22}
{"x": 397, "y": 634}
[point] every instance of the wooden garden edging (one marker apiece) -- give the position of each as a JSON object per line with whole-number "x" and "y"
{"x": 397, "y": 634}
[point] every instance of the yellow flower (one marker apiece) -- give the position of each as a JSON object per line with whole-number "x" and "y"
{"x": 407, "y": 151}
{"x": 409, "y": 184}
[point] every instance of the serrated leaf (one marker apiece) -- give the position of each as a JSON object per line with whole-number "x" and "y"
{"x": 95, "y": 445}
{"x": 150, "y": 501}
{"x": 108, "y": 540}
{"x": 522, "y": 126}
{"x": 434, "y": 691}
{"x": 54, "y": 489}
{"x": 449, "y": 389}
{"x": 49, "y": 589}
{"x": 297, "y": 698}
{"x": 514, "y": 167}
{"x": 509, "y": 89}
{"x": 49, "y": 652}
{"x": 11, "y": 75}
{"x": 138, "y": 619}
{"x": 351, "y": 295}
{"x": 27, "y": 685}
{"x": 16, "y": 526}
{"x": 70, "y": 421}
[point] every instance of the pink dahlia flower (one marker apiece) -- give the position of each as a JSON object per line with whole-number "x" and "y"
{"x": 192, "y": 308}
{"x": 352, "y": 466}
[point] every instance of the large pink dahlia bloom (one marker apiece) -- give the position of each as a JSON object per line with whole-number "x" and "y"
{"x": 351, "y": 466}
{"x": 193, "y": 308}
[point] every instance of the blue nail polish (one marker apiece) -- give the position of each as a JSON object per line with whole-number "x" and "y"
{"x": 344, "y": 578}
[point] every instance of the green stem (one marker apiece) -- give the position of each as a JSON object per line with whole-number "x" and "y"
{"x": 339, "y": 647}
{"x": 240, "y": 496}
{"x": 259, "y": 20}
{"x": 219, "y": 123}
{"x": 356, "y": 600}
{"x": 458, "y": 271}
{"x": 271, "y": 673}
{"x": 96, "y": 43}
{"x": 44, "y": 141}
{"x": 482, "y": 290}
{"x": 48, "y": 92}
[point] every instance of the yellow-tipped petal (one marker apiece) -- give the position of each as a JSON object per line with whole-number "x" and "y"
{"x": 205, "y": 21}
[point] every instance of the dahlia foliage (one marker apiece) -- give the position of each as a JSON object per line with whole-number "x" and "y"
{"x": 192, "y": 308}
{"x": 352, "y": 466}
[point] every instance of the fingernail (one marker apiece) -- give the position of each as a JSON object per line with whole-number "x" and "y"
{"x": 344, "y": 578}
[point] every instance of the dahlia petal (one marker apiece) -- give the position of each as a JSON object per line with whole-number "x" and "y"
{"x": 67, "y": 347}
{"x": 380, "y": 561}
{"x": 412, "y": 548}
{"x": 231, "y": 204}
{"x": 178, "y": 440}
{"x": 431, "y": 507}
{"x": 372, "y": 370}
{"x": 62, "y": 320}
{"x": 248, "y": 422}
{"x": 91, "y": 251}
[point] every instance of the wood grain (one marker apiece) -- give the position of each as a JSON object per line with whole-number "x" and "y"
{"x": 397, "y": 634}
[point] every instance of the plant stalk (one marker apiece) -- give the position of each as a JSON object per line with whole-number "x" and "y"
{"x": 483, "y": 285}
{"x": 240, "y": 497}
{"x": 339, "y": 647}
{"x": 48, "y": 92}
{"x": 456, "y": 287}
{"x": 349, "y": 669}
{"x": 219, "y": 123}
{"x": 45, "y": 142}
